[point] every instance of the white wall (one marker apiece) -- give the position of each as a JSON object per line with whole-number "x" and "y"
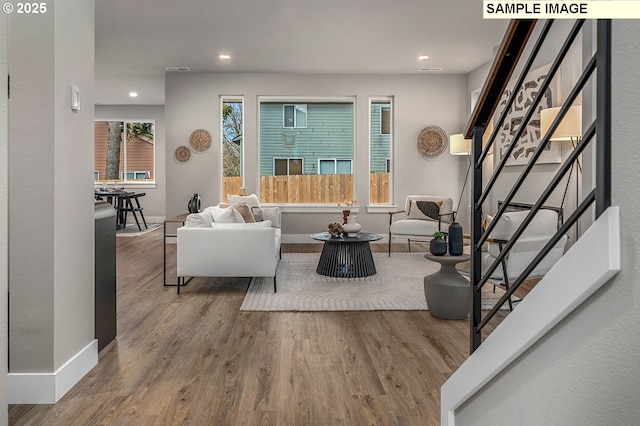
{"x": 154, "y": 200}
{"x": 51, "y": 243}
{"x": 192, "y": 102}
{"x": 586, "y": 370}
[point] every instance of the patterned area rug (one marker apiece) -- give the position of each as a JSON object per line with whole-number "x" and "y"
{"x": 397, "y": 286}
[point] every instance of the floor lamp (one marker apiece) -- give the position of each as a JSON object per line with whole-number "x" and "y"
{"x": 569, "y": 129}
{"x": 458, "y": 145}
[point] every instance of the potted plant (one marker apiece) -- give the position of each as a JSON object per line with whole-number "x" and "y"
{"x": 438, "y": 246}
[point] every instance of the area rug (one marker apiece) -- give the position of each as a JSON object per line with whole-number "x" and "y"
{"x": 134, "y": 231}
{"x": 397, "y": 286}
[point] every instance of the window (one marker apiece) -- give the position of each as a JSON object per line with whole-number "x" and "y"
{"x": 232, "y": 145}
{"x": 385, "y": 120}
{"x": 136, "y": 175}
{"x": 124, "y": 151}
{"x": 380, "y": 143}
{"x": 309, "y": 160}
{"x": 287, "y": 166}
{"x": 334, "y": 166}
{"x": 295, "y": 116}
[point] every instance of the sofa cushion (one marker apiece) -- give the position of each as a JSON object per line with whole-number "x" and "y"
{"x": 414, "y": 227}
{"x": 251, "y": 200}
{"x": 198, "y": 220}
{"x": 224, "y": 215}
{"x": 263, "y": 224}
{"x": 243, "y": 209}
{"x": 267, "y": 213}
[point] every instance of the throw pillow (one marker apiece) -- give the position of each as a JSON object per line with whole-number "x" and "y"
{"x": 268, "y": 213}
{"x": 257, "y": 214}
{"x": 243, "y": 209}
{"x": 198, "y": 220}
{"x": 251, "y": 200}
{"x": 428, "y": 210}
{"x": 225, "y": 215}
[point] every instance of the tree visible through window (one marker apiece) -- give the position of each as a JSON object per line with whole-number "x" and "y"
{"x": 124, "y": 151}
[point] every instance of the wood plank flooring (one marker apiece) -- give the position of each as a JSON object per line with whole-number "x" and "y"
{"x": 195, "y": 359}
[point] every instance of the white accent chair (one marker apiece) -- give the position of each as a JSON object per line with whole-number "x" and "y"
{"x": 535, "y": 236}
{"x": 416, "y": 225}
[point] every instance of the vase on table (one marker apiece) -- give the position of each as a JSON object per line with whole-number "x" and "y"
{"x": 438, "y": 246}
{"x": 194, "y": 204}
{"x": 455, "y": 239}
{"x": 345, "y": 216}
{"x": 351, "y": 228}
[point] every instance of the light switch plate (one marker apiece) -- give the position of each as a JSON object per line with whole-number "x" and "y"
{"x": 75, "y": 98}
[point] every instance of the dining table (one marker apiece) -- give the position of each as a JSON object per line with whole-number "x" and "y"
{"x": 121, "y": 200}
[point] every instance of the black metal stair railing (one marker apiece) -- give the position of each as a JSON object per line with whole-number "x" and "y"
{"x": 510, "y": 52}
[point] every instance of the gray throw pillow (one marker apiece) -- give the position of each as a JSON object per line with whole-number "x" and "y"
{"x": 429, "y": 208}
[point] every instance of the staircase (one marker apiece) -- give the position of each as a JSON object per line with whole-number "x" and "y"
{"x": 594, "y": 256}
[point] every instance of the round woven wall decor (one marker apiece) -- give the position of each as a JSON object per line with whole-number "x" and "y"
{"x": 432, "y": 142}
{"x": 182, "y": 154}
{"x": 200, "y": 140}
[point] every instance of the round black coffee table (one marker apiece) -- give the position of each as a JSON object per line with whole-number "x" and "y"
{"x": 346, "y": 257}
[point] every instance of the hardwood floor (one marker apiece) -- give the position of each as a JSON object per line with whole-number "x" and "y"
{"x": 195, "y": 359}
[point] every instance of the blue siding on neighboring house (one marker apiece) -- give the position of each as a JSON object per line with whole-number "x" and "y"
{"x": 380, "y": 144}
{"x": 329, "y": 134}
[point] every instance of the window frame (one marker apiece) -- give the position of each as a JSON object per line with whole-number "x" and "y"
{"x": 295, "y": 116}
{"x": 381, "y": 120}
{"x": 335, "y": 165}
{"x": 288, "y": 165}
{"x": 389, "y": 100}
{"x": 221, "y": 177}
{"x": 147, "y": 182}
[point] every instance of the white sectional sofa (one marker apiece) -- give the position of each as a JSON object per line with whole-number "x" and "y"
{"x": 206, "y": 248}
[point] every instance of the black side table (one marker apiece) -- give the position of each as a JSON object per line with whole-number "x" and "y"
{"x": 346, "y": 257}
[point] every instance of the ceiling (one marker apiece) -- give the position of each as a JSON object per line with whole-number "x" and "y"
{"x": 137, "y": 39}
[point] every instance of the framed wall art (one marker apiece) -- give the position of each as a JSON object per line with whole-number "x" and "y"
{"x": 530, "y": 138}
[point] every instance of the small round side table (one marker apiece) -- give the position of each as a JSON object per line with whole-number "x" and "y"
{"x": 446, "y": 291}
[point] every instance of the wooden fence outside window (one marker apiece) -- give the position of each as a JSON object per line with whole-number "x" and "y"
{"x": 311, "y": 189}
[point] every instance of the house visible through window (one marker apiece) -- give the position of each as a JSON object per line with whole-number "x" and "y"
{"x": 124, "y": 151}
{"x": 287, "y": 166}
{"x": 306, "y": 150}
{"x": 380, "y": 144}
{"x": 295, "y": 116}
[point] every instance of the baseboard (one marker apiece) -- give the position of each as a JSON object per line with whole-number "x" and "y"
{"x": 48, "y": 388}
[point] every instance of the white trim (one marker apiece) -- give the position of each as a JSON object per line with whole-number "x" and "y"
{"x": 592, "y": 261}
{"x": 381, "y": 208}
{"x": 48, "y": 388}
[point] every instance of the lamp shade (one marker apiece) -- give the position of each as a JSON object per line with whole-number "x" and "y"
{"x": 458, "y": 145}
{"x": 570, "y": 126}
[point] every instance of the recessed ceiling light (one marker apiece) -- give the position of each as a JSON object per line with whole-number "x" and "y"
{"x": 133, "y": 94}
{"x": 423, "y": 57}
{"x": 224, "y": 57}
